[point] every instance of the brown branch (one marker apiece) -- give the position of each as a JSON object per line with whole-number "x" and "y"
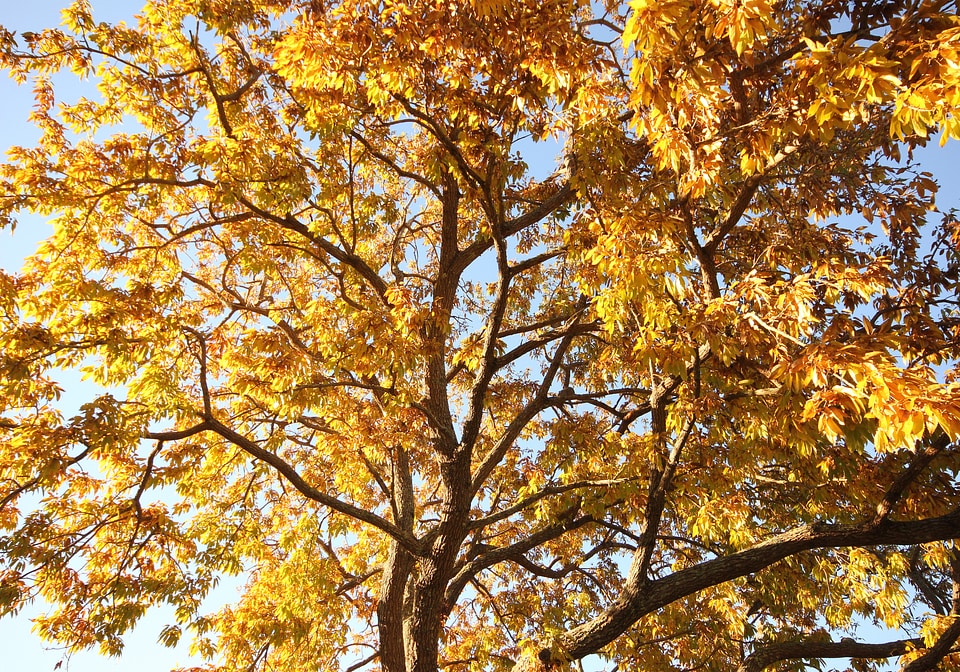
{"x": 948, "y": 638}
{"x": 144, "y": 481}
{"x": 640, "y": 599}
{"x": 534, "y": 326}
{"x": 204, "y": 388}
{"x": 660, "y": 481}
{"x": 525, "y": 348}
{"x": 540, "y": 401}
{"x": 290, "y": 223}
{"x": 513, "y": 226}
{"x": 293, "y": 477}
{"x": 177, "y": 434}
{"x": 24, "y": 487}
{"x": 733, "y": 217}
{"x": 768, "y": 655}
{"x": 285, "y": 469}
{"x": 401, "y": 172}
{"x": 431, "y": 124}
{"x": 542, "y": 494}
{"x": 566, "y": 522}
{"x": 489, "y": 363}
{"x": 533, "y": 262}
{"x": 208, "y": 76}
{"x": 236, "y": 95}
{"x": 937, "y": 444}
{"x": 560, "y": 197}
{"x": 357, "y": 665}
{"x": 936, "y": 653}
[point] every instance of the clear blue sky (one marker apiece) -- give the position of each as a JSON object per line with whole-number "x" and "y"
{"x": 19, "y": 648}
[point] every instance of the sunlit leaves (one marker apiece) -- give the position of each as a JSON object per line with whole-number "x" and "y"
{"x": 436, "y": 393}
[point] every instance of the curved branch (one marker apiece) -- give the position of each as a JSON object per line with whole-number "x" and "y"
{"x": 846, "y": 648}
{"x": 489, "y": 363}
{"x": 947, "y": 640}
{"x": 568, "y": 521}
{"x": 938, "y": 443}
{"x": 24, "y": 487}
{"x": 537, "y": 496}
{"x": 643, "y": 597}
{"x": 290, "y": 223}
{"x": 540, "y": 402}
{"x": 529, "y": 346}
{"x": 401, "y": 172}
{"x": 287, "y": 470}
{"x": 941, "y": 648}
{"x": 513, "y": 226}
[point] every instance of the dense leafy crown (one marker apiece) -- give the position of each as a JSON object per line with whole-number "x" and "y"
{"x": 474, "y": 333}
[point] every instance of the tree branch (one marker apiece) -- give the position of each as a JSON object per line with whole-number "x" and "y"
{"x": 407, "y": 540}
{"x": 567, "y": 521}
{"x": 290, "y": 223}
{"x": 287, "y": 471}
{"x": 530, "y": 411}
{"x": 643, "y": 598}
{"x": 938, "y": 443}
{"x": 847, "y": 648}
{"x": 542, "y": 494}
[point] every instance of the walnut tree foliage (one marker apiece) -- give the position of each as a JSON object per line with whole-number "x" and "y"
{"x": 686, "y": 398}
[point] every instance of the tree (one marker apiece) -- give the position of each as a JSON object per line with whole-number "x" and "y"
{"x": 442, "y": 409}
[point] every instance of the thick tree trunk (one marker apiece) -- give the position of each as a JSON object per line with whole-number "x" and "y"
{"x": 430, "y": 610}
{"x": 390, "y": 610}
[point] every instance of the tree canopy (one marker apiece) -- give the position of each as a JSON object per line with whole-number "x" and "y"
{"x": 477, "y": 334}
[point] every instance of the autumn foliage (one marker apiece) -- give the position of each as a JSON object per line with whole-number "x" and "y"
{"x": 482, "y": 333}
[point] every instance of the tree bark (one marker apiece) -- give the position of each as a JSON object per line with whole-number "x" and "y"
{"x": 644, "y": 597}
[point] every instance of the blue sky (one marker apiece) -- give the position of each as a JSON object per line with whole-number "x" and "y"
{"x": 22, "y": 650}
